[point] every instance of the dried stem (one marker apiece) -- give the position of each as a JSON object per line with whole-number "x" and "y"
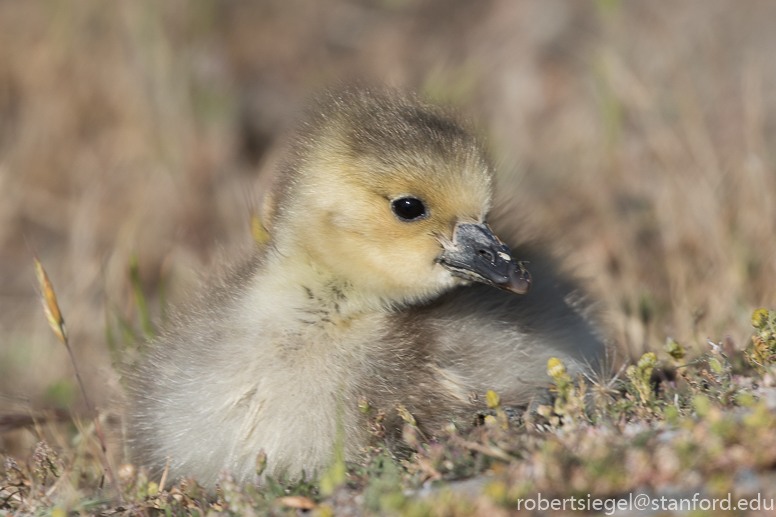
{"x": 57, "y": 324}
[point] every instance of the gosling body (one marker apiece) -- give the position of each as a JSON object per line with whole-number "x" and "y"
{"x": 382, "y": 280}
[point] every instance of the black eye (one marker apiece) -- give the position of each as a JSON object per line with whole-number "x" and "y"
{"x": 409, "y": 208}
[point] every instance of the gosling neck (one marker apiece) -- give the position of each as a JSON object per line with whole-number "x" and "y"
{"x": 313, "y": 293}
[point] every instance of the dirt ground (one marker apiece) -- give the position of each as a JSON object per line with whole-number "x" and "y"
{"x": 636, "y": 137}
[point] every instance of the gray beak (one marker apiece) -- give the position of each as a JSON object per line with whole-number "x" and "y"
{"x": 480, "y": 256}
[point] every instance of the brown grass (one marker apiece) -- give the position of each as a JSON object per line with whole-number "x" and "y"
{"x": 638, "y": 136}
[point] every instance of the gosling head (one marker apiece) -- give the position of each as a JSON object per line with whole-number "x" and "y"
{"x": 390, "y": 195}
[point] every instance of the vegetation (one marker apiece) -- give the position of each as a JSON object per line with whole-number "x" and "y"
{"x": 636, "y": 137}
{"x": 707, "y": 426}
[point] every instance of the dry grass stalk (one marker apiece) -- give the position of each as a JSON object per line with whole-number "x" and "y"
{"x": 57, "y": 323}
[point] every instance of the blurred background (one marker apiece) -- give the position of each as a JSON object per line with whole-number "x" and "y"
{"x": 136, "y": 137}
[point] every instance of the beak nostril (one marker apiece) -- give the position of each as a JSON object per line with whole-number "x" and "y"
{"x": 487, "y": 255}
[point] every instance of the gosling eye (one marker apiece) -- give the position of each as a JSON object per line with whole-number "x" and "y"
{"x": 409, "y": 208}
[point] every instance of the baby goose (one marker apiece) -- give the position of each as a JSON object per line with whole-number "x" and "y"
{"x": 381, "y": 279}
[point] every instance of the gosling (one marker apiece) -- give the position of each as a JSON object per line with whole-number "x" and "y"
{"x": 381, "y": 279}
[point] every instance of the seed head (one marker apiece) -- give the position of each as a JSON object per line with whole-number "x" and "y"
{"x": 50, "y": 305}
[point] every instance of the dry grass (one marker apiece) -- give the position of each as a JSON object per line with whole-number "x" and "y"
{"x": 636, "y": 136}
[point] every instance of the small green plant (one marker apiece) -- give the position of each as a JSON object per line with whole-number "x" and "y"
{"x": 762, "y": 351}
{"x": 494, "y": 403}
{"x": 569, "y": 405}
{"x": 675, "y": 350}
{"x": 640, "y": 376}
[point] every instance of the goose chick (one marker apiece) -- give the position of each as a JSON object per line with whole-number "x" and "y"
{"x": 381, "y": 279}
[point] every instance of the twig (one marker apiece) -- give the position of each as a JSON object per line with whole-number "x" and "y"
{"x": 164, "y": 475}
{"x": 15, "y": 421}
{"x": 492, "y": 451}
